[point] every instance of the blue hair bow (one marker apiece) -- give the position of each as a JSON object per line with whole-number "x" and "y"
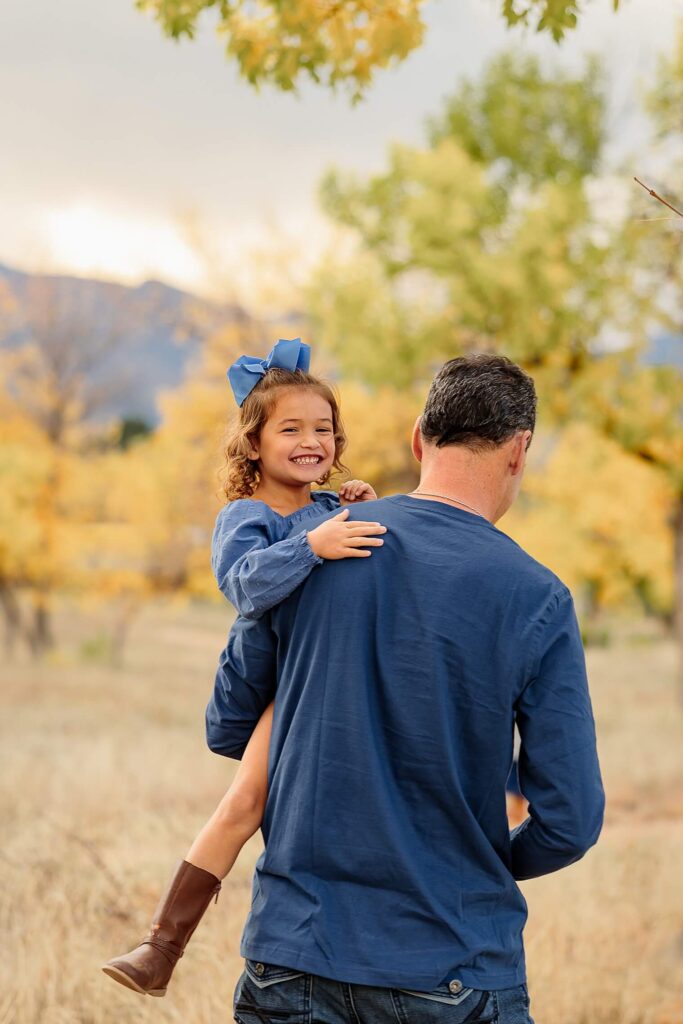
{"x": 246, "y": 372}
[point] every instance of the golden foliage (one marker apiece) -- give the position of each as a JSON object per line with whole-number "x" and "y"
{"x": 599, "y": 517}
{"x": 281, "y": 42}
{"x": 379, "y": 425}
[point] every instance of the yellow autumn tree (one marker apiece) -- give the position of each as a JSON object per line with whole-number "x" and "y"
{"x": 379, "y": 424}
{"x": 35, "y": 532}
{"x": 599, "y": 517}
{"x": 51, "y": 396}
{"x": 332, "y": 42}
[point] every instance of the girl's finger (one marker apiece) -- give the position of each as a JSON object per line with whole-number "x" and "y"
{"x": 357, "y": 542}
{"x": 371, "y": 528}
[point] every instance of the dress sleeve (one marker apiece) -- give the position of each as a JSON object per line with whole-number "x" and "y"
{"x": 255, "y": 567}
{"x": 327, "y": 501}
{"x": 244, "y": 687}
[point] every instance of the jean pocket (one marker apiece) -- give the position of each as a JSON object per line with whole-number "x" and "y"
{"x": 264, "y": 975}
{"x": 441, "y": 994}
{"x": 268, "y": 992}
{"x": 440, "y": 1004}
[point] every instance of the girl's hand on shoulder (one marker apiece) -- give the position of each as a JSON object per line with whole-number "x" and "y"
{"x": 339, "y": 538}
{"x": 354, "y": 491}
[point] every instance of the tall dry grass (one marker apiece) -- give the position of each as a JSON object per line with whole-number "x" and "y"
{"x": 105, "y": 779}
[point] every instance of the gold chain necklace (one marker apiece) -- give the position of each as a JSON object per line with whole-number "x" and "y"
{"x": 457, "y": 501}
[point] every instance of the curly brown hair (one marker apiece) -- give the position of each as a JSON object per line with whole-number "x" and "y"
{"x": 240, "y": 474}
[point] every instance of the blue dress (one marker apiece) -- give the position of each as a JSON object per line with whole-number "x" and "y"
{"x": 255, "y": 558}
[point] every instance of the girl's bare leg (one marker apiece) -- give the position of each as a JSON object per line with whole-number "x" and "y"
{"x": 516, "y": 809}
{"x": 148, "y": 967}
{"x": 240, "y": 812}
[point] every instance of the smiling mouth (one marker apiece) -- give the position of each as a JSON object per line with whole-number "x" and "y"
{"x": 307, "y": 460}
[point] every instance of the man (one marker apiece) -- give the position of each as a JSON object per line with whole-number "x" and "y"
{"x": 387, "y": 889}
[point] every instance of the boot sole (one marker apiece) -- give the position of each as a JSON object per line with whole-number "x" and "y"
{"x": 125, "y": 979}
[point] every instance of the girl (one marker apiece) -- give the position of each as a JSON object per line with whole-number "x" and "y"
{"x": 288, "y": 435}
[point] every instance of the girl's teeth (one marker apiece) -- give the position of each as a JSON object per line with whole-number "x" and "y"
{"x": 307, "y": 462}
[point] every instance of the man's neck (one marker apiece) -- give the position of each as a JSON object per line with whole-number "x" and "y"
{"x": 467, "y": 492}
{"x": 283, "y": 498}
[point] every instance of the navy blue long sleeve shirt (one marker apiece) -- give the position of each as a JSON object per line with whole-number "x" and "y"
{"x": 397, "y": 679}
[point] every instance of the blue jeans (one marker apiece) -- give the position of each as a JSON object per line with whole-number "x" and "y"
{"x": 268, "y": 994}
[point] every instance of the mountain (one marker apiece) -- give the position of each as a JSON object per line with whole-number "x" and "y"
{"x": 145, "y": 337}
{"x": 665, "y": 350}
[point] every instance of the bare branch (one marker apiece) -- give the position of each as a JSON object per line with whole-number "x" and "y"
{"x": 657, "y": 196}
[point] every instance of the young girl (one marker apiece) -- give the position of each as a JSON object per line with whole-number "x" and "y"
{"x": 288, "y": 435}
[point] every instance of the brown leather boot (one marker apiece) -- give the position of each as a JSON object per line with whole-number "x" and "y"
{"x": 148, "y": 967}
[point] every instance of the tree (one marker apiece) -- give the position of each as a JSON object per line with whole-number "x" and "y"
{"x": 23, "y": 467}
{"x": 642, "y": 405}
{"x": 585, "y": 502}
{"x": 332, "y": 42}
{"x": 551, "y": 127}
{"x": 465, "y": 243}
{"x": 58, "y": 382}
{"x": 487, "y": 238}
{"x": 665, "y": 100}
{"x": 379, "y": 424}
{"x": 554, "y": 16}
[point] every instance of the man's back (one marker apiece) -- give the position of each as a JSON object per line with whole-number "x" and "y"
{"x": 388, "y": 859}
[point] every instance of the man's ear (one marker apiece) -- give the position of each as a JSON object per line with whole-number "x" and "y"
{"x": 518, "y": 451}
{"x": 416, "y": 443}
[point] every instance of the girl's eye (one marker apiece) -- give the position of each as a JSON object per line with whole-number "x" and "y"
{"x": 288, "y": 430}
{"x": 324, "y": 430}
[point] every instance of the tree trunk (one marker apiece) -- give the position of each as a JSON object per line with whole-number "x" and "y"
{"x": 678, "y": 587}
{"x": 120, "y": 631}
{"x": 40, "y": 636}
{"x": 12, "y": 616}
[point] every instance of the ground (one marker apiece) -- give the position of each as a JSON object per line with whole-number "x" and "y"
{"x": 106, "y": 779}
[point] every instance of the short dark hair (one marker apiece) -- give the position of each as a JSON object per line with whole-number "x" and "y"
{"x": 479, "y": 401}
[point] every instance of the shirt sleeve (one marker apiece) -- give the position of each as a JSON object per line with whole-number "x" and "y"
{"x": 559, "y": 773}
{"x": 243, "y": 688}
{"x": 254, "y": 568}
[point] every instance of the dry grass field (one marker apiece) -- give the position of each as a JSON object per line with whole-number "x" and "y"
{"x": 105, "y": 779}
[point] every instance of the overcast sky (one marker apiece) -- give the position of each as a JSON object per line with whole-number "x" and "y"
{"x": 109, "y": 131}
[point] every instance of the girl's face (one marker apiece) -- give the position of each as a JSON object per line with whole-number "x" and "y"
{"x": 296, "y": 445}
